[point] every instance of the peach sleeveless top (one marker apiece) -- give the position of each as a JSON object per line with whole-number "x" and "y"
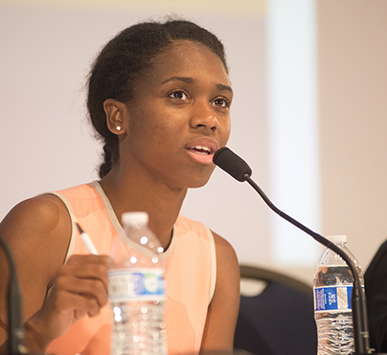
{"x": 190, "y": 276}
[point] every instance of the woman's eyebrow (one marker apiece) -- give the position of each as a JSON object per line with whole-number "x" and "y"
{"x": 222, "y": 87}
{"x": 189, "y": 80}
{"x": 184, "y": 79}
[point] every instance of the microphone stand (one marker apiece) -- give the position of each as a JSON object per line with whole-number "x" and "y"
{"x": 15, "y": 323}
{"x": 359, "y": 308}
{"x": 239, "y": 170}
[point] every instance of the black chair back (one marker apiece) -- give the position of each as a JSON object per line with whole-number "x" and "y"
{"x": 278, "y": 321}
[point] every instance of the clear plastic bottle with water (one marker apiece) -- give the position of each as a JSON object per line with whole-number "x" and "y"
{"x": 136, "y": 289}
{"x": 332, "y": 286}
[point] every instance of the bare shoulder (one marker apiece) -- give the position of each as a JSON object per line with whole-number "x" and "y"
{"x": 227, "y": 273}
{"x": 38, "y": 230}
{"x": 226, "y": 256}
{"x": 45, "y": 206}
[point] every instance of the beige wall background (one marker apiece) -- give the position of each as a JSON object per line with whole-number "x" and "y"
{"x": 42, "y": 138}
{"x": 352, "y": 73}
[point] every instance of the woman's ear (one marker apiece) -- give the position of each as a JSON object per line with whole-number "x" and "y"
{"x": 115, "y": 112}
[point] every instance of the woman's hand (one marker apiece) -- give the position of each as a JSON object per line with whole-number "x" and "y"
{"x": 80, "y": 289}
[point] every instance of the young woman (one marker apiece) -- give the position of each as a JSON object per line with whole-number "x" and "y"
{"x": 159, "y": 98}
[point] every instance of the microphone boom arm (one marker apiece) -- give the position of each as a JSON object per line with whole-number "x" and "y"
{"x": 359, "y": 308}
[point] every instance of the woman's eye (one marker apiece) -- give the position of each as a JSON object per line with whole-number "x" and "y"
{"x": 221, "y": 102}
{"x": 178, "y": 95}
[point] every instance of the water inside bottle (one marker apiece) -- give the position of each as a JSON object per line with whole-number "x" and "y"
{"x": 332, "y": 276}
{"x": 334, "y": 326}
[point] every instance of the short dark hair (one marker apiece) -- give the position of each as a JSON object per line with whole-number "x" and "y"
{"x": 121, "y": 63}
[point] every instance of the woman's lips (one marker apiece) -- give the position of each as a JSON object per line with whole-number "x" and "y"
{"x": 202, "y": 150}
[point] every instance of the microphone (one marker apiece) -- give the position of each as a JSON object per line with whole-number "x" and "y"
{"x": 231, "y": 163}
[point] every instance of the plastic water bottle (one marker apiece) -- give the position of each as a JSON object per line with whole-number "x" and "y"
{"x": 332, "y": 286}
{"x": 136, "y": 289}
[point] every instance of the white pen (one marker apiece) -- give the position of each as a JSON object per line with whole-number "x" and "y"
{"x": 87, "y": 241}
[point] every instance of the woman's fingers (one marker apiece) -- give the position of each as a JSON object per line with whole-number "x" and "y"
{"x": 86, "y": 276}
{"x": 80, "y": 289}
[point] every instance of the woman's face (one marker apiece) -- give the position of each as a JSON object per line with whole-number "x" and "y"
{"x": 179, "y": 117}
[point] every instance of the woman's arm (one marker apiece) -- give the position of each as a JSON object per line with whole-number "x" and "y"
{"x": 223, "y": 310}
{"x": 38, "y": 232}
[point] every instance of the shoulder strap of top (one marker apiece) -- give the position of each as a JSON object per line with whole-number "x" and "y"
{"x": 213, "y": 264}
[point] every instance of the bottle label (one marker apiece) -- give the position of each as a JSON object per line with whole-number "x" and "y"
{"x": 136, "y": 285}
{"x": 332, "y": 298}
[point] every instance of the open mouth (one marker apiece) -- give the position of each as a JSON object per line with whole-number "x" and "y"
{"x": 201, "y": 150}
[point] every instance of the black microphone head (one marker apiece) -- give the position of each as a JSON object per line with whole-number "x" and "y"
{"x": 231, "y": 163}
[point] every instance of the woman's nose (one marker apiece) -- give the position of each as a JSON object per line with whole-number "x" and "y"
{"x": 204, "y": 116}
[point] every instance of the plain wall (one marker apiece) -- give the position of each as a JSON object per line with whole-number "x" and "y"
{"x": 352, "y": 54}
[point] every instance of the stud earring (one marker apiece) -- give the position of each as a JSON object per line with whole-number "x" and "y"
{"x": 118, "y": 128}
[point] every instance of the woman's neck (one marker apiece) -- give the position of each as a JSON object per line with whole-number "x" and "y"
{"x": 130, "y": 192}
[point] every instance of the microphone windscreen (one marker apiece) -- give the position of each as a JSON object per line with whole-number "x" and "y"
{"x": 231, "y": 163}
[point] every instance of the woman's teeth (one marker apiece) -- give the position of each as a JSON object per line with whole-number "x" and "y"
{"x": 202, "y": 150}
